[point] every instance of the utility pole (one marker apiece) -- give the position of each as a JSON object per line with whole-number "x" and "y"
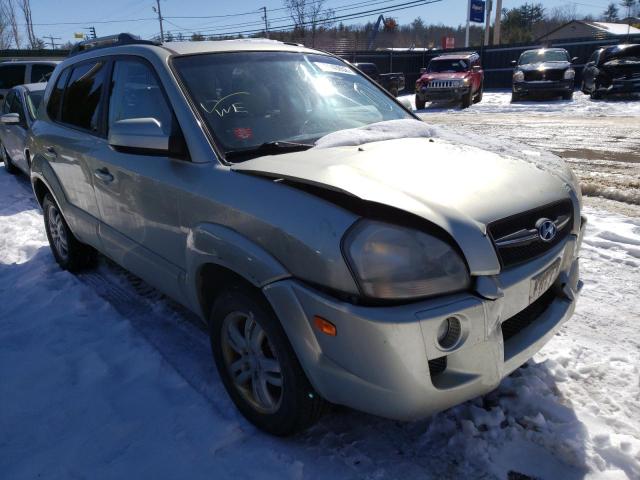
{"x": 51, "y": 39}
{"x": 159, "y": 12}
{"x": 487, "y": 25}
{"x": 496, "y": 24}
{"x": 266, "y": 24}
{"x": 466, "y": 34}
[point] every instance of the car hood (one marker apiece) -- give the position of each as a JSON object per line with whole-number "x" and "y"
{"x": 544, "y": 66}
{"x": 460, "y": 188}
{"x": 444, "y": 76}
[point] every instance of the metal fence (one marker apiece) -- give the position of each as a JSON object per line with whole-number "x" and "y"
{"x": 496, "y": 61}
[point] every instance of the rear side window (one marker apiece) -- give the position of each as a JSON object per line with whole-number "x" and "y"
{"x": 11, "y": 75}
{"x": 135, "y": 93}
{"x": 81, "y": 102}
{"x": 55, "y": 99}
{"x": 40, "y": 72}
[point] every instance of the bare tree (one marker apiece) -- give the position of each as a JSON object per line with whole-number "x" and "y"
{"x": 9, "y": 13}
{"x": 309, "y": 13}
{"x": 25, "y": 6}
{"x": 5, "y": 28}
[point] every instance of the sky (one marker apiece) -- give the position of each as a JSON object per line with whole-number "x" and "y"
{"x": 137, "y": 16}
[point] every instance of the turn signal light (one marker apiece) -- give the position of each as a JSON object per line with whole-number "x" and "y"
{"x": 325, "y": 326}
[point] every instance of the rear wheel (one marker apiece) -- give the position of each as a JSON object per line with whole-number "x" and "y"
{"x": 567, "y": 95}
{"x": 69, "y": 252}
{"x": 420, "y": 103}
{"x": 258, "y": 366}
{"x": 8, "y": 164}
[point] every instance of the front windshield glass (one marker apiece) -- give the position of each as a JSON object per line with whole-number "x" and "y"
{"x": 33, "y": 102}
{"x": 251, "y": 98}
{"x": 539, "y": 56}
{"x": 446, "y": 66}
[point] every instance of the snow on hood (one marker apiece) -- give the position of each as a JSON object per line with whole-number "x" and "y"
{"x": 409, "y": 128}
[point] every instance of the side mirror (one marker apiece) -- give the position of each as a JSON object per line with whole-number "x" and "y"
{"x": 142, "y": 134}
{"x": 423, "y": 70}
{"x": 575, "y": 59}
{"x": 10, "y": 119}
{"x": 514, "y": 62}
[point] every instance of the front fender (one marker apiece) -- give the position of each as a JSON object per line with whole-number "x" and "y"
{"x": 210, "y": 243}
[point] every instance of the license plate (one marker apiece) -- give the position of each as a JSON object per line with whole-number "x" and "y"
{"x": 541, "y": 282}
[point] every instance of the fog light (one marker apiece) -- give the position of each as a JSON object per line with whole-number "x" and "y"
{"x": 449, "y": 332}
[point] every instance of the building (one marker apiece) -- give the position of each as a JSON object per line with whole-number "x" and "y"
{"x": 583, "y": 29}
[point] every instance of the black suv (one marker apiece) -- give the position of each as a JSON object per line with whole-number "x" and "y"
{"x": 612, "y": 70}
{"x": 546, "y": 70}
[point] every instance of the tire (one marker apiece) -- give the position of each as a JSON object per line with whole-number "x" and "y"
{"x": 69, "y": 252}
{"x": 478, "y": 97}
{"x": 515, "y": 97}
{"x": 467, "y": 100}
{"x": 567, "y": 95}
{"x": 8, "y": 164}
{"x": 595, "y": 94}
{"x": 583, "y": 89}
{"x": 394, "y": 91}
{"x": 281, "y": 409}
{"x": 420, "y": 104}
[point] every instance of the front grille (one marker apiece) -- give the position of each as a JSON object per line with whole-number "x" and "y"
{"x": 437, "y": 366}
{"x": 538, "y": 75}
{"x": 515, "y": 254}
{"x": 444, "y": 84}
{"x": 526, "y": 317}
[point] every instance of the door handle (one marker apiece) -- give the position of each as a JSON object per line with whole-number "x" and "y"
{"x": 103, "y": 175}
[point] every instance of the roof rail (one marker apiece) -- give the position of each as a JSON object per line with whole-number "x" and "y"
{"x": 110, "y": 41}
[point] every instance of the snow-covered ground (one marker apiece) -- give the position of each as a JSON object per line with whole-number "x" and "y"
{"x": 101, "y": 377}
{"x": 500, "y": 102}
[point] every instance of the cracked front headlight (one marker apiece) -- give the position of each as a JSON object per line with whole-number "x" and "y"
{"x": 518, "y": 76}
{"x": 569, "y": 74}
{"x": 393, "y": 262}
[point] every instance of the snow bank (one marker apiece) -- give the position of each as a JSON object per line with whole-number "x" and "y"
{"x": 376, "y": 132}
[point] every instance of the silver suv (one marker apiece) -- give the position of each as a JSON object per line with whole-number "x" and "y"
{"x": 338, "y": 249}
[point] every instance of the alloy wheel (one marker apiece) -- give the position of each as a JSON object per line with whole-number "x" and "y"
{"x": 58, "y": 233}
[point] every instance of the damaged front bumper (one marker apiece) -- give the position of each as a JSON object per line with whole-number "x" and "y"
{"x": 387, "y": 360}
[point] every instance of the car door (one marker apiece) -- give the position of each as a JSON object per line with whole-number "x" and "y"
{"x": 76, "y": 130}
{"x": 14, "y": 135}
{"x": 140, "y": 223}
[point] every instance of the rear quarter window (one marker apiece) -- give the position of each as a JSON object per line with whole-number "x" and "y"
{"x": 11, "y": 75}
{"x": 40, "y": 72}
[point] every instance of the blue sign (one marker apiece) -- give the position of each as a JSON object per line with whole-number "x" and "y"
{"x": 476, "y": 14}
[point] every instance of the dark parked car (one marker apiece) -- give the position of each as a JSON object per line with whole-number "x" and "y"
{"x": 391, "y": 82}
{"x": 18, "y": 114}
{"x": 543, "y": 71}
{"x": 612, "y": 70}
{"x": 453, "y": 77}
{"x": 24, "y": 71}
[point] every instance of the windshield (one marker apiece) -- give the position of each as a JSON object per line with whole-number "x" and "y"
{"x": 33, "y": 102}
{"x": 251, "y": 98}
{"x": 445, "y": 66}
{"x": 539, "y": 56}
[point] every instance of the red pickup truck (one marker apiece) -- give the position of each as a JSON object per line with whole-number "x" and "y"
{"x": 452, "y": 77}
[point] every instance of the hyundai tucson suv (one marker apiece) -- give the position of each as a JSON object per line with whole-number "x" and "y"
{"x": 612, "y": 70}
{"x": 543, "y": 71}
{"x": 338, "y": 249}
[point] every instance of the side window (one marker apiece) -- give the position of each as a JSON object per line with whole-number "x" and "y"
{"x": 11, "y": 75}
{"x": 135, "y": 93}
{"x": 7, "y": 102}
{"x": 55, "y": 99}
{"x": 81, "y": 101}
{"x": 39, "y": 72}
{"x": 14, "y": 104}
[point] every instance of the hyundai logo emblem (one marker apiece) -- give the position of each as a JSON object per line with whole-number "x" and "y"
{"x": 546, "y": 229}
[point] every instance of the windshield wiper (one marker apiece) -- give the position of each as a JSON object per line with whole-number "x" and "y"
{"x": 267, "y": 148}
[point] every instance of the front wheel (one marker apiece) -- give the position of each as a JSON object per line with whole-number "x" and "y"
{"x": 595, "y": 94}
{"x": 8, "y": 164}
{"x": 258, "y": 366}
{"x": 420, "y": 103}
{"x": 478, "y": 97}
{"x": 515, "y": 97}
{"x": 567, "y": 95}
{"x": 467, "y": 99}
{"x": 69, "y": 252}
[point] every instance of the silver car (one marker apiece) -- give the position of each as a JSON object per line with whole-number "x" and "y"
{"x": 16, "y": 117}
{"x": 334, "y": 255}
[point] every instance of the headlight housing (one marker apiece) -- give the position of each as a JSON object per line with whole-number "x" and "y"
{"x": 395, "y": 263}
{"x": 518, "y": 76}
{"x": 569, "y": 74}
